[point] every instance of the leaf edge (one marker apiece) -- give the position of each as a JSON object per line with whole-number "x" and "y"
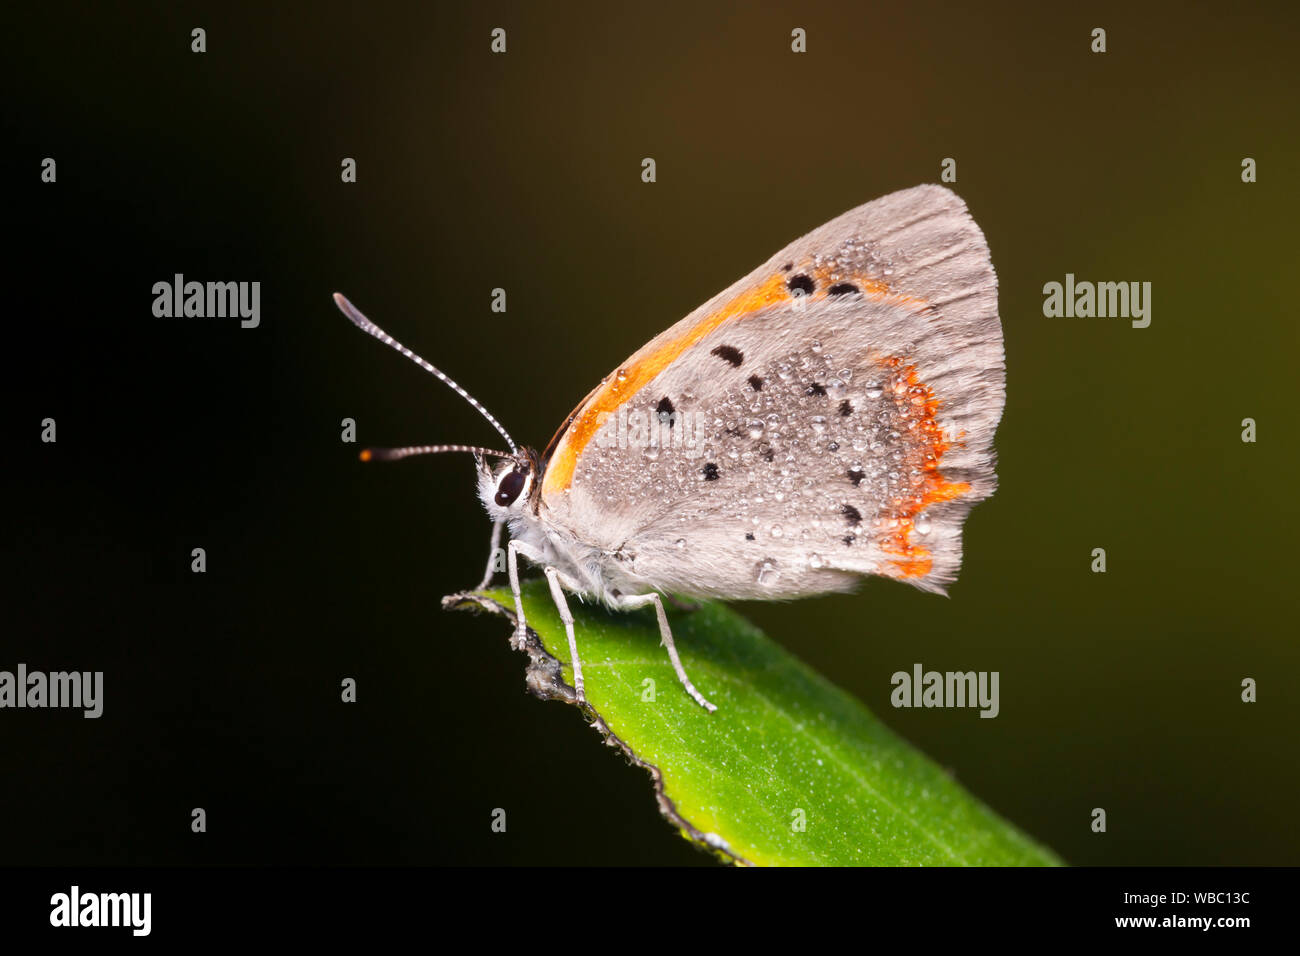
{"x": 545, "y": 681}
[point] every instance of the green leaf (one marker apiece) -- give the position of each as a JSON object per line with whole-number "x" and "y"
{"x": 784, "y": 745}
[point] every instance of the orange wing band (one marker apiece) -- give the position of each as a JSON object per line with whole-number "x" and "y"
{"x": 916, "y": 401}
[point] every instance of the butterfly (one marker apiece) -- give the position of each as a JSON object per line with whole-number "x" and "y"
{"x": 828, "y": 417}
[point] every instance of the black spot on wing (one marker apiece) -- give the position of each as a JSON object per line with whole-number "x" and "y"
{"x": 842, "y": 288}
{"x": 852, "y": 515}
{"x": 749, "y": 536}
{"x": 665, "y": 406}
{"x": 787, "y": 267}
{"x": 730, "y": 354}
{"x": 800, "y": 285}
{"x": 846, "y": 408}
{"x": 755, "y": 383}
{"x": 856, "y": 475}
{"x": 710, "y": 472}
{"x": 816, "y": 389}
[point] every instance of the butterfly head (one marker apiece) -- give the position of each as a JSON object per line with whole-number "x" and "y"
{"x": 506, "y": 489}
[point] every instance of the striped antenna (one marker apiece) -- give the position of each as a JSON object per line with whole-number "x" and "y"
{"x": 397, "y": 454}
{"x": 365, "y": 325}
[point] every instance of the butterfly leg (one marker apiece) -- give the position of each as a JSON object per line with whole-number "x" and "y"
{"x": 492, "y": 554}
{"x": 558, "y": 580}
{"x": 513, "y": 550}
{"x": 666, "y": 638}
{"x": 561, "y": 605}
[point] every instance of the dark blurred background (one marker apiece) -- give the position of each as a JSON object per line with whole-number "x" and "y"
{"x": 1119, "y": 690}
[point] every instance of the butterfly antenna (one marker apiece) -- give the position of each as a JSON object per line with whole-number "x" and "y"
{"x": 397, "y": 454}
{"x": 365, "y": 325}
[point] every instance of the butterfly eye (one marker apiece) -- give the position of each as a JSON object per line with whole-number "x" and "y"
{"x": 509, "y": 489}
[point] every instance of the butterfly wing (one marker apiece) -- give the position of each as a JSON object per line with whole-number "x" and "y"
{"x": 830, "y": 415}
